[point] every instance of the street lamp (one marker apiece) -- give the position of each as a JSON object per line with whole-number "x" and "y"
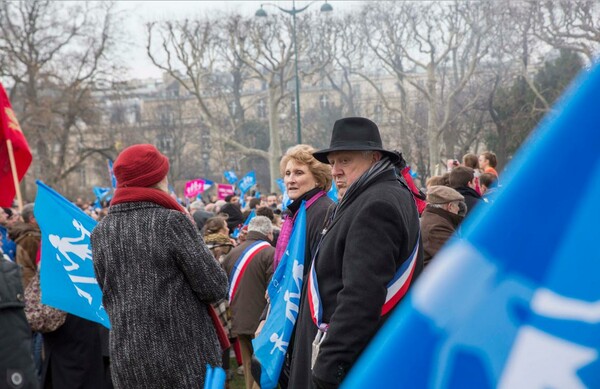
{"x": 261, "y": 13}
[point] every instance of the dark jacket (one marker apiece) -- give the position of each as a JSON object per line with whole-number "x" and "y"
{"x": 157, "y": 277}
{"x": 437, "y": 226}
{"x": 249, "y": 300}
{"x": 73, "y": 356}
{"x": 357, "y": 258}
{"x": 27, "y": 238}
{"x": 16, "y": 361}
{"x": 472, "y": 198}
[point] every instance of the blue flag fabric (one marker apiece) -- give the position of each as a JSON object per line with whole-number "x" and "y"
{"x": 333, "y": 192}
{"x": 285, "y": 201}
{"x": 284, "y": 292}
{"x": 247, "y": 182}
{"x": 280, "y": 184}
{"x": 67, "y": 274}
{"x": 251, "y": 216}
{"x": 215, "y": 377}
{"x": 230, "y": 176}
{"x": 516, "y": 302}
{"x": 102, "y": 194}
{"x": 9, "y": 247}
{"x": 111, "y": 173}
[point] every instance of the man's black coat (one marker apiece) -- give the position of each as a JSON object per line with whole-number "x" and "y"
{"x": 358, "y": 257}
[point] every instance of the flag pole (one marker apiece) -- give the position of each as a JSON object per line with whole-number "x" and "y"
{"x": 13, "y": 168}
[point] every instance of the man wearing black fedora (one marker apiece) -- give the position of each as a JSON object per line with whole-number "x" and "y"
{"x": 369, "y": 254}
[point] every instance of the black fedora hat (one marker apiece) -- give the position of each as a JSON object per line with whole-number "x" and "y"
{"x": 355, "y": 134}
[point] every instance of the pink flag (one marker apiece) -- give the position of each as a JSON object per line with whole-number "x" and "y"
{"x": 224, "y": 190}
{"x": 194, "y": 187}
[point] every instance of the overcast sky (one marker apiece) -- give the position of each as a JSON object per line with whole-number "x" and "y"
{"x": 137, "y": 13}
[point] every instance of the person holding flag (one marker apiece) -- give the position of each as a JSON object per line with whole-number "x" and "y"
{"x": 368, "y": 256}
{"x": 158, "y": 280}
{"x": 306, "y": 180}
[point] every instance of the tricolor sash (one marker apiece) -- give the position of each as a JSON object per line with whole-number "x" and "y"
{"x": 242, "y": 264}
{"x": 396, "y": 288}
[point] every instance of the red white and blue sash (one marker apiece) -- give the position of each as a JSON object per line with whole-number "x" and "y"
{"x": 396, "y": 288}
{"x": 242, "y": 264}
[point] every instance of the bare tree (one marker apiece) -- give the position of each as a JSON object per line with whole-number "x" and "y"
{"x": 572, "y": 25}
{"x": 433, "y": 50}
{"x": 53, "y": 54}
{"x": 208, "y": 67}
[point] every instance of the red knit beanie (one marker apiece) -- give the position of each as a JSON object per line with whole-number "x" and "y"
{"x": 140, "y": 166}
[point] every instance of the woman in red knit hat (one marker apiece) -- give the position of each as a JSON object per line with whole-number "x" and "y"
{"x": 157, "y": 278}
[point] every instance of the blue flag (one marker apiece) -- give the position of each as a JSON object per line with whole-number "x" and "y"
{"x": 111, "y": 173}
{"x": 333, "y": 192}
{"x": 284, "y": 292}
{"x": 247, "y": 182}
{"x": 8, "y": 246}
{"x": 102, "y": 194}
{"x": 67, "y": 274}
{"x": 280, "y": 184}
{"x": 236, "y": 232}
{"x": 230, "y": 176}
{"x": 215, "y": 377}
{"x": 516, "y": 302}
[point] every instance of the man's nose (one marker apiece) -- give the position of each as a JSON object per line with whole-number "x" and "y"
{"x": 335, "y": 171}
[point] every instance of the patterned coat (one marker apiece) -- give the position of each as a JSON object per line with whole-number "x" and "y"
{"x": 157, "y": 278}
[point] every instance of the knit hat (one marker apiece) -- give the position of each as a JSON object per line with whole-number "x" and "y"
{"x": 440, "y": 194}
{"x": 217, "y": 240}
{"x": 140, "y": 166}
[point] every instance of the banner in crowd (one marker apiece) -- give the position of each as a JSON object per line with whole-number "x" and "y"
{"x": 10, "y": 130}
{"x": 247, "y": 182}
{"x": 284, "y": 293}
{"x": 67, "y": 274}
{"x": 515, "y": 303}
{"x": 280, "y": 184}
{"x": 102, "y": 194}
{"x": 230, "y": 176}
{"x": 224, "y": 190}
{"x": 194, "y": 187}
{"x": 111, "y": 173}
{"x": 236, "y": 232}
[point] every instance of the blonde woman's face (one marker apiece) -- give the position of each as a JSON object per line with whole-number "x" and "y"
{"x": 298, "y": 179}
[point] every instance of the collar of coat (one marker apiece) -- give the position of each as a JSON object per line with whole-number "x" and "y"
{"x": 451, "y": 217}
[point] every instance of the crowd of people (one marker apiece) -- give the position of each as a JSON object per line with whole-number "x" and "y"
{"x": 184, "y": 285}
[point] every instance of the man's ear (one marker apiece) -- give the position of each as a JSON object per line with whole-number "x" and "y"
{"x": 377, "y": 156}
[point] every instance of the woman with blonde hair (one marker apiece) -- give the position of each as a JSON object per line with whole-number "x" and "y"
{"x": 305, "y": 179}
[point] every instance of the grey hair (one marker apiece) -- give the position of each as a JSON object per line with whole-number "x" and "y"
{"x": 436, "y": 205}
{"x": 261, "y": 224}
{"x": 444, "y": 204}
{"x": 27, "y": 212}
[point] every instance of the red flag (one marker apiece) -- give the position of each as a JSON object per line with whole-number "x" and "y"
{"x": 10, "y": 130}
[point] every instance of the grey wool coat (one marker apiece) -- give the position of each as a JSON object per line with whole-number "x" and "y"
{"x": 157, "y": 277}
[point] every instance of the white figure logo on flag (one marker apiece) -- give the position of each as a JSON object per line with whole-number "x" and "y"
{"x": 292, "y": 302}
{"x": 73, "y": 250}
